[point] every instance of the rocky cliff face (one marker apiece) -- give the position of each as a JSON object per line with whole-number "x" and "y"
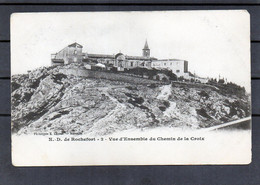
{"x": 46, "y": 100}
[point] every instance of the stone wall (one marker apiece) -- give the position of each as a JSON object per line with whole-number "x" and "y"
{"x": 107, "y": 75}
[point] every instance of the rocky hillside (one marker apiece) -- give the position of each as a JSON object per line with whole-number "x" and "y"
{"x": 48, "y": 100}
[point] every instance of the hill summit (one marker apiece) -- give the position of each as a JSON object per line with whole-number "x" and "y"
{"x": 49, "y": 100}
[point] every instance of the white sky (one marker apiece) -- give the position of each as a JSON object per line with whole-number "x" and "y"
{"x": 214, "y": 42}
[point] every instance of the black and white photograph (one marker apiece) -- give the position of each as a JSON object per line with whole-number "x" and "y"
{"x": 131, "y": 88}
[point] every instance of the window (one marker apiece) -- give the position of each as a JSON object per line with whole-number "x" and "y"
{"x": 177, "y": 71}
{"x": 165, "y": 64}
{"x": 75, "y": 52}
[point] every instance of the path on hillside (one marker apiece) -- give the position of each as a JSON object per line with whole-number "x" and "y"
{"x": 107, "y": 87}
{"x": 112, "y": 115}
{"x": 198, "y": 84}
{"x": 225, "y": 125}
{"x": 165, "y": 92}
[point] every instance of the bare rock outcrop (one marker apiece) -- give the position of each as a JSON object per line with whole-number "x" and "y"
{"x": 46, "y": 100}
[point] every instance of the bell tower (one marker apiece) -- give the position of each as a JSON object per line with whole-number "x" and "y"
{"x": 146, "y": 50}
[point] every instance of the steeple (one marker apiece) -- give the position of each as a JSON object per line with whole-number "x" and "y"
{"x": 146, "y": 50}
{"x": 146, "y": 45}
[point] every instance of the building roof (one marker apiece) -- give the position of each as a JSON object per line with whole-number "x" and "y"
{"x": 146, "y": 45}
{"x": 100, "y": 56}
{"x": 139, "y": 58}
{"x": 100, "y": 65}
{"x": 118, "y": 54}
{"x": 165, "y": 60}
{"x": 75, "y": 44}
{"x": 126, "y": 56}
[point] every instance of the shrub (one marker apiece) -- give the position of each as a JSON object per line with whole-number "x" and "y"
{"x": 15, "y": 86}
{"x": 203, "y": 94}
{"x": 202, "y": 112}
{"x": 162, "y": 108}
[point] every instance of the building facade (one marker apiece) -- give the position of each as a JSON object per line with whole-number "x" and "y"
{"x": 178, "y": 67}
{"x": 73, "y": 53}
{"x": 69, "y": 54}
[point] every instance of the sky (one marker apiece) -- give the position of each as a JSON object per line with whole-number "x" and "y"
{"x": 213, "y": 42}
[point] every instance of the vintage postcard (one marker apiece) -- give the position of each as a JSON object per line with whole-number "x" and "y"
{"x": 131, "y": 88}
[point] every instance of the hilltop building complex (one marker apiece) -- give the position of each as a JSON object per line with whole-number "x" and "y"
{"x": 73, "y": 53}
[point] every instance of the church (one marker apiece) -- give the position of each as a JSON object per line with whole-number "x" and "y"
{"x": 73, "y": 53}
